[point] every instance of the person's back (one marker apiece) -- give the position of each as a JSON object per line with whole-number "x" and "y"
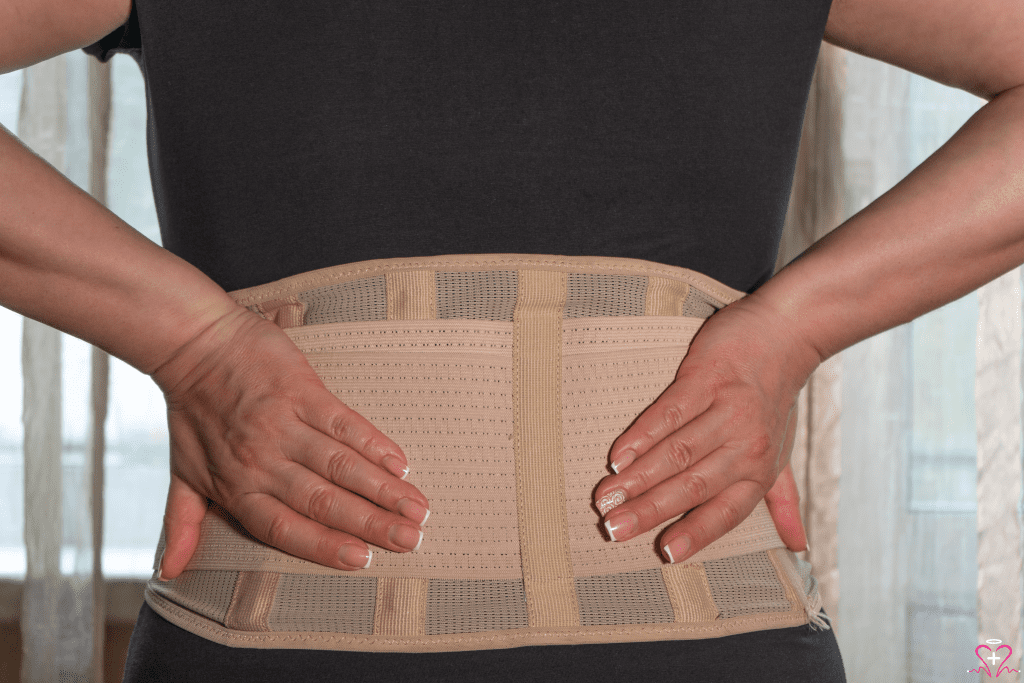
{"x": 255, "y": 430}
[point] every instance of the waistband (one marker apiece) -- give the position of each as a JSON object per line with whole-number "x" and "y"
{"x": 505, "y": 379}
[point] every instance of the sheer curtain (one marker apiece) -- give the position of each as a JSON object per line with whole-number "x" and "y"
{"x": 908, "y": 455}
{"x": 64, "y": 116}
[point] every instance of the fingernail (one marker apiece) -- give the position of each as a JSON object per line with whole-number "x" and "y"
{"x": 354, "y": 556}
{"x": 621, "y": 526}
{"x": 405, "y": 537}
{"x": 624, "y": 460}
{"x": 610, "y": 501}
{"x": 410, "y": 509}
{"x": 396, "y": 467}
{"x": 160, "y": 567}
{"x": 677, "y": 549}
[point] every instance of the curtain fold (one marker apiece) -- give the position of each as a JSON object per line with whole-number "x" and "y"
{"x": 815, "y": 208}
{"x": 998, "y": 400}
{"x": 62, "y": 113}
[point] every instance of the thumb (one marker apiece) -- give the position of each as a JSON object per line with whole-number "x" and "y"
{"x": 185, "y": 511}
{"x": 783, "y": 501}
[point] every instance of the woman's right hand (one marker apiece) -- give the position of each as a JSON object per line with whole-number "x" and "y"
{"x": 253, "y": 429}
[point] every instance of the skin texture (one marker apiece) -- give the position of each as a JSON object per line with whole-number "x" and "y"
{"x": 304, "y": 473}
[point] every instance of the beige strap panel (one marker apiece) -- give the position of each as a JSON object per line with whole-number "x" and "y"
{"x": 689, "y": 592}
{"x": 251, "y": 602}
{"x": 411, "y": 295}
{"x": 401, "y": 607}
{"x": 665, "y": 296}
{"x": 540, "y": 482}
{"x": 506, "y": 409}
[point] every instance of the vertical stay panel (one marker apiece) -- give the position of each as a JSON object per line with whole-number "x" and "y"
{"x": 540, "y": 479}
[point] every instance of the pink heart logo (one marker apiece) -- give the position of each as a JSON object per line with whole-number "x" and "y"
{"x": 993, "y": 658}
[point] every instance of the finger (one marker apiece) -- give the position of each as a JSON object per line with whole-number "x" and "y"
{"x": 675, "y": 496}
{"x": 710, "y": 521}
{"x": 277, "y": 525}
{"x": 182, "y": 517}
{"x": 349, "y": 470}
{"x": 331, "y": 506}
{"x": 674, "y": 454}
{"x": 676, "y": 407}
{"x": 324, "y": 412}
{"x": 783, "y": 501}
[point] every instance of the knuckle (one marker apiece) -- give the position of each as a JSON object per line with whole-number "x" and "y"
{"x": 673, "y": 416}
{"x": 729, "y": 514}
{"x": 340, "y": 466}
{"x": 694, "y": 488}
{"x": 278, "y": 531}
{"x": 680, "y": 453}
{"x": 320, "y": 504}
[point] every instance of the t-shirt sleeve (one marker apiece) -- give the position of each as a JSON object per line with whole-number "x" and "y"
{"x": 125, "y": 39}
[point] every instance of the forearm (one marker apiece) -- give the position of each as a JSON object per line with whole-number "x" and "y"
{"x": 953, "y": 224}
{"x": 67, "y": 261}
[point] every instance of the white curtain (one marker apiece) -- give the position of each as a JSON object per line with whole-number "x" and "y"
{"x": 63, "y": 117}
{"x": 916, "y": 567}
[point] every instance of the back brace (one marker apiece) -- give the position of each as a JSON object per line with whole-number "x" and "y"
{"x": 505, "y": 379}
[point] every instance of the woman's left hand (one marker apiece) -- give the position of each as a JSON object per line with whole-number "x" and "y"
{"x": 714, "y": 443}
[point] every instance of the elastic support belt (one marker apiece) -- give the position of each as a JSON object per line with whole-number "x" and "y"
{"x": 504, "y": 379}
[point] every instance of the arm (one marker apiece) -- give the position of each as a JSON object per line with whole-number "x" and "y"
{"x": 713, "y": 443}
{"x": 252, "y": 426}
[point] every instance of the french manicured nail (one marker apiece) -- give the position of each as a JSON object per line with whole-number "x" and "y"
{"x": 410, "y": 509}
{"x": 405, "y": 537}
{"x": 354, "y": 556}
{"x": 160, "y": 575}
{"x": 610, "y": 501}
{"x": 677, "y": 549}
{"x": 622, "y": 525}
{"x": 624, "y": 460}
{"x": 396, "y": 467}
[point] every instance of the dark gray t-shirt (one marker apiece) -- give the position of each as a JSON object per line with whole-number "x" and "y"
{"x": 285, "y": 137}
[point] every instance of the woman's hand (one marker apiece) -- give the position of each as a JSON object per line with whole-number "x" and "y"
{"x": 715, "y": 441}
{"x": 254, "y": 429}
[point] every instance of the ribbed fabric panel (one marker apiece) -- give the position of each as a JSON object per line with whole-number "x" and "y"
{"x": 401, "y": 608}
{"x": 665, "y": 296}
{"x": 540, "y": 481}
{"x": 251, "y": 601}
{"x": 324, "y": 604}
{"x": 411, "y": 295}
{"x": 591, "y": 295}
{"x": 746, "y": 584}
{"x": 344, "y": 302}
{"x": 699, "y": 305}
{"x": 688, "y": 589}
{"x": 477, "y": 295}
{"x": 627, "y": 598}
{"x": 207, "y": 593}
{"x": 472, "y": 606}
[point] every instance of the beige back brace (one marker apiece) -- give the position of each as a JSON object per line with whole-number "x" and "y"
{"x": 505, "y": 379}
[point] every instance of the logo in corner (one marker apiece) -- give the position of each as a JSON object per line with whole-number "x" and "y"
{"x": 998, "y": 658}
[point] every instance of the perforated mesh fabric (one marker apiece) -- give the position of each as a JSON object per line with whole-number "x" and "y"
{"x": 746, "y": 584}
{"x": 628, "y": 598}
{"x": 590, "y": 295}
{"x": 482, "y": 295}
{"x": 331, "y": 604}
{"x": 471, "y": 606}
{"x": 207, "y": 593}
{"x": 346, "y": 302}
{"x": 699, "y": 305}
{"x": 506, "y": 410}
